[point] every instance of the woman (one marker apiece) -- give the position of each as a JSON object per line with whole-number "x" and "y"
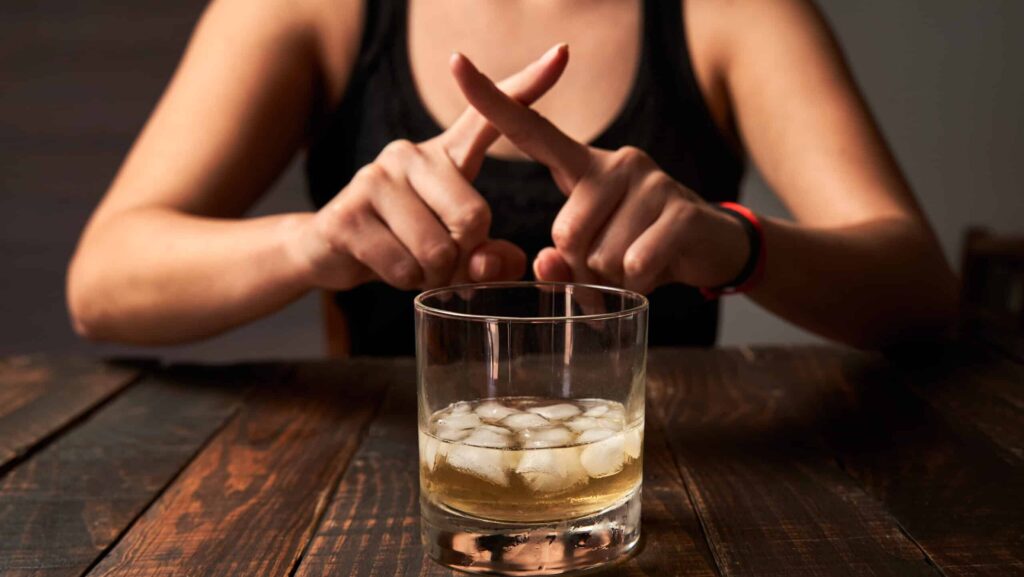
{"x": 648, "y": 129}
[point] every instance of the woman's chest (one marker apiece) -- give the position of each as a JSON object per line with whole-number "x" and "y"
{"x": 501, "y": 36}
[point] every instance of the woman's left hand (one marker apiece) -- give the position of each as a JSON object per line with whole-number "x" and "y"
{"x": 625, "y": 223}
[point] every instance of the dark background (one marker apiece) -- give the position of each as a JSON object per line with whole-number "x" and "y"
{"x": 78, "y": 78}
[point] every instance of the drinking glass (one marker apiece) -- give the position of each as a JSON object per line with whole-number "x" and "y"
{"x": 531, "y": 420}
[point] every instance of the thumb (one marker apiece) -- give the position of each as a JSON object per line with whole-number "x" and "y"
{"x": 550, "y": 266}
{"x": 497, "y": 260}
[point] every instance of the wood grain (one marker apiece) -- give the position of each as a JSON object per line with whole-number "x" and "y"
{"x": 770, "y": 496}
{"x": 64, "y": 506}
{"x": 673, "y": 542}
{"x": 249, "y": 502}
{"x": 40, "y": 396}
{"x": 372, "y": 525}
{"x": 771, "y": 461}
{"x": 947, "y": 484}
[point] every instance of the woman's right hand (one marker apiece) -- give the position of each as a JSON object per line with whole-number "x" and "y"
{"x": 412, "y": 218}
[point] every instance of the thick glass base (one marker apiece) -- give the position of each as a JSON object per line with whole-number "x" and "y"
{"x": 566, "y": 547}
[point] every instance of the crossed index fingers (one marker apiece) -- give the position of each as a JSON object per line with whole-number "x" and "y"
{"x": 568, "y": 159}
{"x": 467, "y": 140}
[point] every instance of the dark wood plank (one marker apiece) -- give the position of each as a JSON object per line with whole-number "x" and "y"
{"x": 673, "y": 542}
{"x": 374, "y": 516}
{"x": 372, "y": 525}
{"x": 950, "y": 488}
{"x": 973, "y": 387}
{"x": 65, "y": 505}
{"x": 40, "y": 396}
{"x": 771, "y": 498}
{"x": 249, "y": 502}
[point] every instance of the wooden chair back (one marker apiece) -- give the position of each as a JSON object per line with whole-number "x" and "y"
{"x": 992, "y": 296}
{"x": 339, "y": 343}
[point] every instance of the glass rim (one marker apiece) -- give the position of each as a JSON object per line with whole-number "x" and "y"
{"x": 418, "y": 303}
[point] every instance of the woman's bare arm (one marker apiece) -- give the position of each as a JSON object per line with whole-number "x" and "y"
{"x": 165, "y": 258}
{"x": 860, "y": 264}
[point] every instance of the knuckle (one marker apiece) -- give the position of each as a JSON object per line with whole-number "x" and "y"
{"x": 635, "y": 265}
{"x": 360, "y": 253}
{"x": 473, "y": 217}
{"x": 347, "y": 218}
{"x": 440, "y": 256}
{"x": 597, "y": 262}
{"x": 400, "y": 149}
{"x": 632, "y": 157}
{"x": 404, "y": 274}
{"x": 604, "y": 264}
{"x": 566, "y": 234}
{"x": 372, "y": 175}
{"x": 628, "y": 153}
{"x": 657, "y": 180}
{"x": 682, "y": 212}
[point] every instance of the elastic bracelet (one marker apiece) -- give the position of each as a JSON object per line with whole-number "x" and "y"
{"x": 752, "y": 271}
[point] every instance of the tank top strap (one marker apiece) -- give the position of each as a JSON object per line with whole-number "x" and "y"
{"x": 665, "y": 31}
{"x": 674, "y": 72}
{"x": 381, "y": 19}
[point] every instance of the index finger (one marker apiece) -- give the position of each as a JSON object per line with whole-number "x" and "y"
{"x": 530, "y": 132}
{"x": 468, "y": 138}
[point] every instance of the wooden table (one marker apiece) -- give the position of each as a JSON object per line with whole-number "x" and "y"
{"x": 769, "y": 461}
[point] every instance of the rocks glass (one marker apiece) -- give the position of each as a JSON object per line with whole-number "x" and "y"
{"x": 531, "y": 421}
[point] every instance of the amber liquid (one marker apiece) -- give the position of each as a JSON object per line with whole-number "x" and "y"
{"x": 586, "y": 473}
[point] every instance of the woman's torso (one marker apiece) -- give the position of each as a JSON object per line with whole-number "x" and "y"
{"x": 630, "y": 82}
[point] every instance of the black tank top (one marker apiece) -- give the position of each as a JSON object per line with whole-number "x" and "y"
{"x": 664, "y": 115}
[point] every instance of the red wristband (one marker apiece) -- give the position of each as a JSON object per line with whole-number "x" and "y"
{"x": 753, "y": 270}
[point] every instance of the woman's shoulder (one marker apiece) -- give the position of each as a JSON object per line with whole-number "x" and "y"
{"x": 726, "y": 28}
{"x": 729, "y": 38}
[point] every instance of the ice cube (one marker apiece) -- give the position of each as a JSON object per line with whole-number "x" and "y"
{"x": 594, "y": 435}
{"x": 556, "y": 412}
{"x": 634, "y": 442}
{"x": 458, "y": 421}
{"x": 546, "y": 437}
{"x": 493, "y": 411}
{"x": 450, "y": 434}
{"x": 487, "y": 464}
{"x": 459, "y": 407}
{"x": 482, "y": 437}
{"x": 494, "y": 429}
{"x": 604, "y": 458}
{"x": 580, "y": 424}
{"x": 616, "y": 415}
{"x": 551, "y": 470}
{"x": 428, "y": 450}
{"x": 596, "y": 411}
{"x": 520, "y": 421}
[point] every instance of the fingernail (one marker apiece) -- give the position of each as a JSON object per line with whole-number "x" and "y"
{"x": 491, "y": 267}
{"x": 554, "y": 50}
{"x": 537, "y": 272}
{"x": 485, "y": 267}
